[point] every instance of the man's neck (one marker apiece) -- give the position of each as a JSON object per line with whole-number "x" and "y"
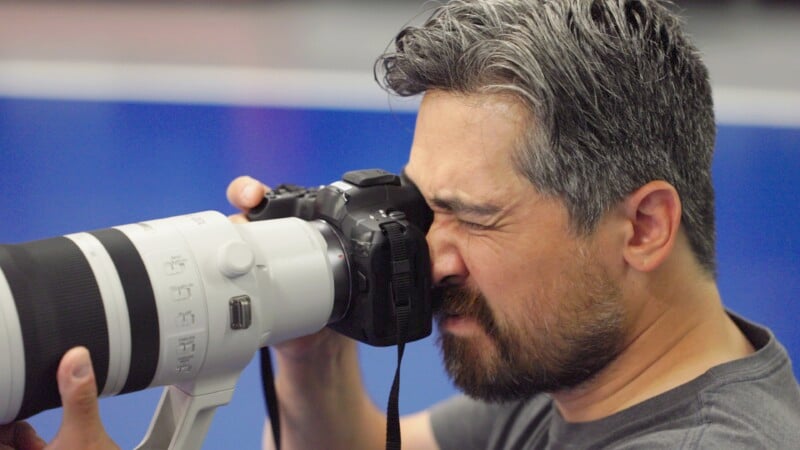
{"x": 672, "y": 343}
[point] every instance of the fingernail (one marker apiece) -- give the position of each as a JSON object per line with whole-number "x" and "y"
{"x": 249, "y": 193}
{"x": 82, "y": 369}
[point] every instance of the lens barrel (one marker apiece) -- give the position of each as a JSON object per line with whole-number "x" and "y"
{"x": 59, "y": 305}
{"x": 152, "y": 302}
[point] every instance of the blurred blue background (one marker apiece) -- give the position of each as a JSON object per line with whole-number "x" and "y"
{"x": 112, "y": 113}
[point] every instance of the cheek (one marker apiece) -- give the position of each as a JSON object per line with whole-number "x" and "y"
{"x": 503, "y": 276}
{"x": 522, "y": 280}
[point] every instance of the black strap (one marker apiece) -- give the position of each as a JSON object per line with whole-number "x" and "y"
{"x": 393, "y": 407}
{"x": 401, "y": 291}
{"x": 270, "y": 396}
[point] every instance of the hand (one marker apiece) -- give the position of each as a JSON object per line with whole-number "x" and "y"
{"x": 20, "y": 436}
{"x": 81, "y": 427}
{"x": 245, "y": 193}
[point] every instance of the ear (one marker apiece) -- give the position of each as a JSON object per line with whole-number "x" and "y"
{"x": 654, "y": 215}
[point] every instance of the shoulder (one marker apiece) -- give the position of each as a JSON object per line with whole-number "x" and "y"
{"x": 753, "y": 402}
{"x": 759, "y": 389}
{"x": 757, "y": 411}
{"x": 749, "y": 403}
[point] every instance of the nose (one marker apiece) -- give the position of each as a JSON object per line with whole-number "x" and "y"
{"x": 447, "y": 265}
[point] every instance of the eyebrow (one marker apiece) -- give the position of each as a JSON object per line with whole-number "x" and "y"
{"x": 460, "y": 206}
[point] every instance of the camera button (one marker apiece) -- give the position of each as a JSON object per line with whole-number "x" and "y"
{"x": 235, "y": 259}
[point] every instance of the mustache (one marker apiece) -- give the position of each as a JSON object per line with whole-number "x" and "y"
{"x": 466, "y": 302}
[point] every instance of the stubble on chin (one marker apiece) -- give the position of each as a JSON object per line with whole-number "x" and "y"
{"x": 512, "y": 363}
{"x": 474, "y": 363}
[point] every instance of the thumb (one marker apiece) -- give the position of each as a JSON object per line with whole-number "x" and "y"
{"x": 76, "y": 383}
{"x": 81, "y": 426}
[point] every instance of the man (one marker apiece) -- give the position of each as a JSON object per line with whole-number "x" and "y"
{"x": 565, "y": 148}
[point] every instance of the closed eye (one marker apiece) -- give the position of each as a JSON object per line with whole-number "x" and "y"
{"x": 473, "y": 225}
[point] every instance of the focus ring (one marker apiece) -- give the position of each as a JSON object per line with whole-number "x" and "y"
{"x": 59, "y": 307}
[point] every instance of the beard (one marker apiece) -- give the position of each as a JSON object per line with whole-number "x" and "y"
{"x": 538, "y": 351}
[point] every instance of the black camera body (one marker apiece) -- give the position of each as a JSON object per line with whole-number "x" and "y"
{"x": 380, "y": 220}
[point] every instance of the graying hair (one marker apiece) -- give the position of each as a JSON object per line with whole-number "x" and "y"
{"x": 618, "y": 97}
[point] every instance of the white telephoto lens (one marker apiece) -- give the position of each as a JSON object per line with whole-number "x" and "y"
{"x": 185, "y": 299}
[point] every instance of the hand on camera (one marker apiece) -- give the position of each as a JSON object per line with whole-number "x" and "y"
{"x": 81, "y": 427}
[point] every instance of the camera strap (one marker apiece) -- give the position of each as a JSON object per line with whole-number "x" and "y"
{"x": 270, "y": 396}
{"x": 401, "y": 289}
{"x": 402, "y": 282}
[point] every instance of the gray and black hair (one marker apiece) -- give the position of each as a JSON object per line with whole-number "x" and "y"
{"x": 618, "y": 96}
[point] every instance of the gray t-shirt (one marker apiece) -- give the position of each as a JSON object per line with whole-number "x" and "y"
{"x": 751, "y": 403}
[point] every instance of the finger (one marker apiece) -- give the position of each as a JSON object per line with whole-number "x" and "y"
{"x": 246, "y": 192}
{"x": 7, "y": 432}
{"x": 238, "y": 218}
{"x": 27, "y": 439}
{"x": 20, "y": 436}
{"x": 81, "y": 424}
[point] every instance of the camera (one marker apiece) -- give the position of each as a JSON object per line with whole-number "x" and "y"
{"x": 186, "y": 301}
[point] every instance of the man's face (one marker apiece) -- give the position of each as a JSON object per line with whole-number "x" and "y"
{"x": 530, "y": 307}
